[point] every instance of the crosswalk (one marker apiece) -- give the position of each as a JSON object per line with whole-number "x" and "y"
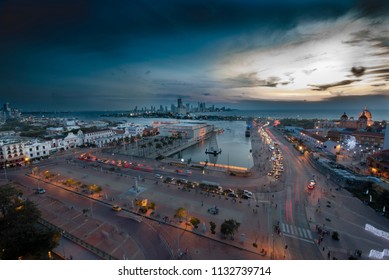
{"x": 295, "y": 231}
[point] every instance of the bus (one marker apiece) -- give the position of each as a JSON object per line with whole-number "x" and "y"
{"x": 211, "y": 187}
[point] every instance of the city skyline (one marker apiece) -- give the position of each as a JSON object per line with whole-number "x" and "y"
{"x": 72, "y": 55}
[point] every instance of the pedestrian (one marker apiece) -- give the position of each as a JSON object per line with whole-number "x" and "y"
{"x": 202, "y": 203}
{"x": 329, "y": 255}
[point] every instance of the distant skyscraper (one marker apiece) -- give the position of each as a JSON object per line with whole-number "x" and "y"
{"x": 180, "y": 107}
{"x": 179, "y": 102}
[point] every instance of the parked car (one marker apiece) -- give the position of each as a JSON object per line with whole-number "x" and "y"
{"x": 227, "y": 191}
{"x": 213, "y": 210}
{"x": 40, "y": 191}
{"x": 181, "y": 182}
{"x": 247, "y": 193}
{"x": 168, "y": 180}
{"x": 245, "y": 196}
{"x": 232, "y": 194}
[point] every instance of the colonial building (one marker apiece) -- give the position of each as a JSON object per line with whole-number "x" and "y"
{"x": 364, "y": 121}
{"x": 37, "y": 149}
{"x": 11, "y": 152}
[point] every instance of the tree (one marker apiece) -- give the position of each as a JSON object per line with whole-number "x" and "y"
{"x": 94, "y": 188}
{"x": 195, "y": 221}
{"x": 229, "y": 227}
{"x": 21, "y": 236}
{"x": 213, "y": 227}
{"x": 180, "y": 213}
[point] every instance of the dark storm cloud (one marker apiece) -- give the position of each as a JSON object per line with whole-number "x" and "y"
{"x": 358, "y": 70}
{"x": 379, "y": 71}
{"x": 56, "y": 52}
{"x": 336, "y": 84}
{"x": 99, "y": 25}
{"x": 373, "y": 7}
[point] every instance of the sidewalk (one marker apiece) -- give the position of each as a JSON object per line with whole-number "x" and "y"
{"x": 69, "y": 250}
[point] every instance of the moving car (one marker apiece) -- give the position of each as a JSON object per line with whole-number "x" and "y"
{"x": 116, "y": 208}
{"x": 312, "y": 184}
{"x": 40, "y": 191}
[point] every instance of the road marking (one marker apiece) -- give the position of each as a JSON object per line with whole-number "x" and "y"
{"x": 291, "y": 230}
{"x": 302, "y": 239}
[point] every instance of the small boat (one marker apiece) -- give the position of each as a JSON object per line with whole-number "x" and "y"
{"x": 213, "y": 152}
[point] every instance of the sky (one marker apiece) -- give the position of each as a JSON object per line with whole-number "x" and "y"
{"x": 114, "y": 55}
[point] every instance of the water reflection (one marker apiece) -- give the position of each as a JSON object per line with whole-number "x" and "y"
{"x": 233, "y": 143}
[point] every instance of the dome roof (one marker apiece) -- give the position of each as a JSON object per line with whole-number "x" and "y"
{"x": 366, "y": 113}
{"x": 344, "y": 116}
{"x": 362, "y": 117}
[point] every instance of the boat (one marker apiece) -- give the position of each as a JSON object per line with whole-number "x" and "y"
{"x": 213, "y": 146}
{"x": 213, "y": 152}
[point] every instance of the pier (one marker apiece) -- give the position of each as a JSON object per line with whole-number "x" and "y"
{"x": 187, "y": 145}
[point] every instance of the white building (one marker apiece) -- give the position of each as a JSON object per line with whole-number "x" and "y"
{"x": 36, "y": 149}
{"x": 100, "y": 138}
{"x": 11, "y": 152}
{"x": 332, "y": 147}
{"x": 70, "y": 141}
{"x": 191, "y": 131}
{"x": 135, "y": 130}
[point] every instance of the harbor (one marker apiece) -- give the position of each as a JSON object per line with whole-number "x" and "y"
{"x": 224, "y": 146}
